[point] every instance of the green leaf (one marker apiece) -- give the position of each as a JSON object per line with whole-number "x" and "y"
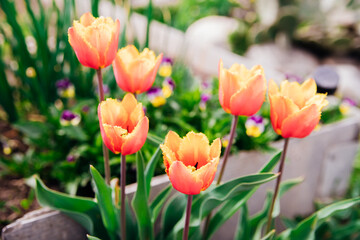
{"x": 257, "y": 219}
{"x": 33, "y": 130}
{"x": 173, "y": 212}
{"x": 234, "y": 204}
{"x": 73, "y": 132}
{"x": 150, "y": 168}
{"x": 92, "y": 237}
{"x": 270, "y": 235}
{"x": 109, "y": 213}
{"x": 243, "y": 230}
{"x": 257, "y": 234}
{"x": 306, "y": 228}
{"x": 284, "y": 187}
{"x": 83, "y": 210}
{"x": 158, "y": 202}
{"x": 207, "y": 201}
{"x": 140, "y": 202}
{"x": 154, "y": 139}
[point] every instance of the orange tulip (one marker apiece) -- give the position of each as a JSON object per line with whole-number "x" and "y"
{"x": 135, "y": 72}
{"x": 94, "y": 40}
{"x": 295, "y": 109}
{"x": 241, "y": 91}
{"x": 123, "y": 125}
{"x": 190, "y": 162}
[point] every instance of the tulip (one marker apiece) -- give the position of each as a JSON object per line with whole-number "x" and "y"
{"x": 123, "y": 125}
{"x": 135, "y": 72}
{"x": 190, "y": 162}
{"x": 94, "y": 40}
{"x": 241, "y": 91}
{"x": 295, "y": 109}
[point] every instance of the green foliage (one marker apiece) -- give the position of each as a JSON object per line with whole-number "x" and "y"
{"x": 140, "y": 202}
{"x": 109, "y": 210}
{"x": 84, "y": 210}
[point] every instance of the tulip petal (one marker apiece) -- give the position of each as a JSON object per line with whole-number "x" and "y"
{"x": 215, "y": 148}
{"x": 87, "y": 19}
{"x": 281, "y": 108}
{"x": 169, "y": 157}
{"x": 248, "y": 100}
{"x": 308, "y": 88}
{"x": 136, "y": 139}
{"x": 301, "y": 123}
{"x": 113, "y": 113}
{"x": 207, "y": 173}
{"x": 194, "y": 149}
{"x": 112, "y": 137}
{"x": 172, "y": 141}
{"x": 110, "y": 52}
{"x": 273, "y": 88}
{"x": 135, "y": 116}
{"x": 150, "y": 76}
{"x": 182, "y": 179}
{"x": 87, "y": 54}
{"x": 122, "y": 77}
{"x": 129, "y": 102}
{"x": 293, "y": 91}
{"x": 319, "y": 100}
{"x": 228, "y": 85}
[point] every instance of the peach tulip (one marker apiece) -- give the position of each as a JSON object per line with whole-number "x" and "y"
{"x": 241, "y": 91}
{"x": 190, "y": 162}
{"x": 123, "y": 125}
{"x": 295, "y": 109}
{"x": 135, "y": 72}
{"x": 94, "y": 40}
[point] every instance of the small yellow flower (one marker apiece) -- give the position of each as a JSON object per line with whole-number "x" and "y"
{"x": 167, "y": 91}
{"x": 30, "y": 72}
{"x": 253, "y": 131}
{"x": 165, "y": 70}
{"x": 158, "y": 101}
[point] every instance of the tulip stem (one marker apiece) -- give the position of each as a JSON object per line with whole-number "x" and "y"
{"x": 278, "y": 180}
{"x": 226, "y": 155}
{"x": 105, "y": 150}
{"x": 187, "y": 218}
{"x": 123, "y": 185}
{"x": 228, "y": 147}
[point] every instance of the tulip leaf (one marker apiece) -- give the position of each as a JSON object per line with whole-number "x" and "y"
{"x": 154, "y": 139}
{"x": 229, "y": 208}
{"x": 241, "y": 188}
{"x": 158, "y": 202}
{"x": 131, "y": 226}
{"x": 258, "y": 230}
{"x": 140, "y": 202}
{"x": 270, "y": 235}
{"x": 207, "y": 201}
{"x": 243, "y": 230}
{"x": 92, "y": 237}
{"x": 306, "y": 228}
{"x": 83, "y": 210}
{"x": 150, "y": 168}
{"x": 109, "y": 213}
{"x": 173, "y": 212}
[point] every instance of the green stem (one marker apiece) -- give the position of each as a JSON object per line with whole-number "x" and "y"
{"x": 278, "y": 180}
{"x": 187, "y": 217}
{"x": 123, "y": 185}
{"x": 226, "y": 155}
{"x": 227, "y": 150}
{"x": 105, "y": 150}
{"x": 149, "y": 18}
